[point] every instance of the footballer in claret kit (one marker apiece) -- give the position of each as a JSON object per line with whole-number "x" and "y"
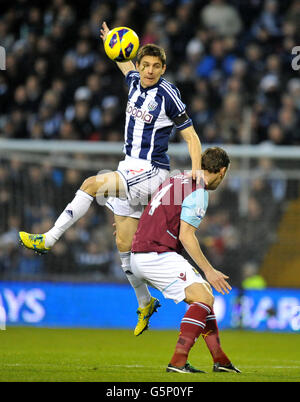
{"x": 167, "y": 226}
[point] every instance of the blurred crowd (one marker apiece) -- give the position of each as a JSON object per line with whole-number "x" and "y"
{"x": 33, "y": 195}
{"x": 227, "y": 57}
{"x": 231, "y": 60}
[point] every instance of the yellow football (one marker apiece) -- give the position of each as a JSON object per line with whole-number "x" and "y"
{"x": 121, "y": 44}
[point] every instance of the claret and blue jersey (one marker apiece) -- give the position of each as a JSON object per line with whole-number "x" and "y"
{"x": 149, "y": 119}
{"x": 178, "y": 198}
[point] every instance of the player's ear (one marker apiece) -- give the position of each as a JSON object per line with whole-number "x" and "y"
{"x": 223, "y": 171}
{"x": 164, "y": 67}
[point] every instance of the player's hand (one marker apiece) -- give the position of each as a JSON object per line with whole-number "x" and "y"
{"x": 104, "y": 31}
{"x": 197, "y": 175}
{"x": 218, "y": 280}
{"x": 115, "y": 229}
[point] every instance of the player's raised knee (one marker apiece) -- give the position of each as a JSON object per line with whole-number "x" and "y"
{"x": 89, "y": 186}
{"x": 105, "y": 184}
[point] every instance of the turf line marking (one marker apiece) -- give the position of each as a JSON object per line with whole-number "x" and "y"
{"x": 129, "y": 365}
{"x": 271, "y": 367}
{"x": 83, "y": 367}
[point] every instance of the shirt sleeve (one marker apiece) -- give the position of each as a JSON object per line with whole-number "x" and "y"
{"x": 175, "y": 107}
{"x": 194, "y": 207}
{"x": 131, "y": 76}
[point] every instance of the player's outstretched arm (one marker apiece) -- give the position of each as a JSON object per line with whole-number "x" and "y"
{"x": 189, "y": 241}
{"x": 195, "y": 150}
{"x": 126, "y": 66}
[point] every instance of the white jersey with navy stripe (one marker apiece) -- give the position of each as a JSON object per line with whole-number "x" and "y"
{"x": 149, "y": 119}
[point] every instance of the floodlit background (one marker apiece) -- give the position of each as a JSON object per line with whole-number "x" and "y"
{"x": 62, "y": 108}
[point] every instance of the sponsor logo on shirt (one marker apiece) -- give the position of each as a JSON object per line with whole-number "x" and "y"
{"x": 139, "y": 114}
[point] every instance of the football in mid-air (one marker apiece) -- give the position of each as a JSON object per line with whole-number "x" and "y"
{"x": 121, "y": 44}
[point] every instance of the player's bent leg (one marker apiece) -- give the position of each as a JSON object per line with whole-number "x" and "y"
{"x": 108, "y": 184}
{"x": 104, "y": 185}
{"x": 126, "y": 227}
{"x": 200, "y": 299}
{"x": 210, "y": 335}
{"x": 200, "y": 294}
{"x": 42, "y": 243}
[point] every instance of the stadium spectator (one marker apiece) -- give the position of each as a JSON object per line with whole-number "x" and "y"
{"x": 255, "y": 232}
{"x": 67, "y": 131}
{"x": 294, "y": 92}
{"x": 70, "y": 76}
{"x": 251, "y": 279}
{"x": 217, "y": 60}
{"x": 230, "y": 118}
{"x": 269, "y": 21}
{"x": 276, "y": 135}
{"x": 151, "y": 32}
{"x": 293, "y": 14}
{"x": 274, "y": 177}
{"x": 200, "y": 113}
{"x": 222, "y": 18}
{"x": 80, "y": 114}
{"x": 83, "y": 55}
{"x": 33, "y": 94}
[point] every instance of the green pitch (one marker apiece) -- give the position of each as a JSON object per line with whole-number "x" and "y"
{"x": 34, "y": 354}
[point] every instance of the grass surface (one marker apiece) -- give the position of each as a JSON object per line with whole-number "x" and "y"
{"x": 35, "y": 354}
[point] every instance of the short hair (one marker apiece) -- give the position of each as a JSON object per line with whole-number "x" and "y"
{"x": 152, "y": 50}
{"x": 214, "y": 159}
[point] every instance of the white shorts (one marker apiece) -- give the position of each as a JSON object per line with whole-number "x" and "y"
{"x": 140, "y": 179}
{"x": 168, "y": 272}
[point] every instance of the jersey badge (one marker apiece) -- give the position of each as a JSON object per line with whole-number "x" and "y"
{"x": 152, "y": 106}
{"x": 182, "y": 276}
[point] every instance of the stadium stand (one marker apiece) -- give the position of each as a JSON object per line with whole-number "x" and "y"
{"x": 230, "y": 59}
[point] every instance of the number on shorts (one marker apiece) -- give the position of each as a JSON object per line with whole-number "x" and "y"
{"x": 156, "y": 201}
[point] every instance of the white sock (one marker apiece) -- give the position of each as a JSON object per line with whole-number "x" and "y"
{"x": 141, "y": 289}
{"x": 73, "y": 211}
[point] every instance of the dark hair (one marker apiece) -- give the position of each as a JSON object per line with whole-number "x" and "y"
{"x": 152, "y": 50}
{"x": 213, "y": 159}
